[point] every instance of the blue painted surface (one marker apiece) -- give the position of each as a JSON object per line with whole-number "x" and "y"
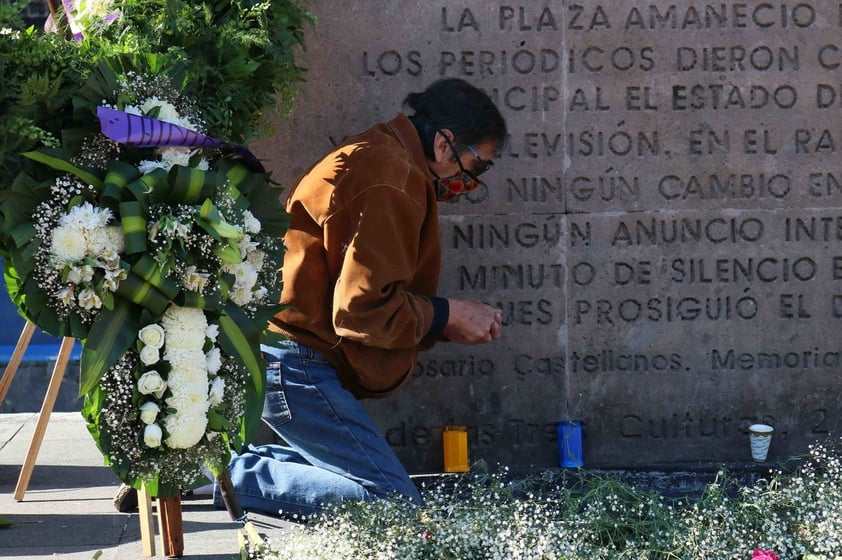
{"x": 42, "y": 347}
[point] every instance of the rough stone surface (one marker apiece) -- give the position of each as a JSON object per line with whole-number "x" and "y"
{"x": 661, "y": 230}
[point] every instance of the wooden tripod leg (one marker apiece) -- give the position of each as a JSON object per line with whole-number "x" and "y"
{"x": 171, "y": 526}
{"x": 147, "y": 524}
{"x": 17, "y": 357}
{"x": 229, "y": 497}
{"x": 44, "y": 417}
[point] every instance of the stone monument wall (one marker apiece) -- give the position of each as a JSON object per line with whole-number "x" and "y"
{"x": 662, "y": 228}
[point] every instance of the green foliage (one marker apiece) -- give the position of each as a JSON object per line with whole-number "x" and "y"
{"x": 239, "y": 56}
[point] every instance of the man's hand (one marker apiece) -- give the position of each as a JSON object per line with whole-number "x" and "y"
{"x": 472, "y": 322}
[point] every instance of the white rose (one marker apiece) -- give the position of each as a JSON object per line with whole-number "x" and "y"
{"x": 149, "y": 412}
{"x": 217, "y": 390}
{"x": 150, "y": 383}
{"x": 152, "y": 435}
{"x": 149, "y": 355}
{"x": 152, "y": 335}
{"x": 68, "y": 244}
{"x": 88, "y": 299}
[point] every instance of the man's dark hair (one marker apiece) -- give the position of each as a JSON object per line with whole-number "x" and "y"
{"x": 458, "y": 106}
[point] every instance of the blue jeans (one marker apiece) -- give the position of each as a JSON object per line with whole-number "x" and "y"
{"x": 334, "y": 451}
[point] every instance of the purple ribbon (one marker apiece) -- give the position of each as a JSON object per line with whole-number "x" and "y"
{"x": 146, "y": 132}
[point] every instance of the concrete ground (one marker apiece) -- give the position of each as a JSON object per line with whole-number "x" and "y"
{"x": 67, "y": 510}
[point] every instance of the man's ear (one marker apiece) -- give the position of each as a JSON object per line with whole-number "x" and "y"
{"x": 441, "y": 148}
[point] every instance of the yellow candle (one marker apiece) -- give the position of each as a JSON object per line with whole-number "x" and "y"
{"x": 455, "y": 442}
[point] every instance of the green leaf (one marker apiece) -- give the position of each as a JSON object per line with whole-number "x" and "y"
{"x": 58, "y": 161}
{"x": 240, "y": 338}
{"x": 110, "y": 336}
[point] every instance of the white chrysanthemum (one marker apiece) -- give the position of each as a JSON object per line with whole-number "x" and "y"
{"x": 147, "y": 166}
{"x": 217, "y": 391}
{"x": 68, "y": 244}
{"x": 260, "y": 294}
{"x": 115, "y": 239}
{"x": 251, "y": 223}
{"x": 185, "y": 431}
{"x": 176, "y": 155}
{"x": 98, "y": 240}
{"x": 86, "y": 216}
{"x": 256, "y": 259}
{"x": 185, "y": 319}
{"x": 190, "y": 365}
{"x": 246, "y": 245}
{"x": 240, "y": 296}
{"x": 182, "y": 340}
{"x": 245, "y": 277}
{"x": 185, "y": 330}
{"x": 213, "y": 360}
{"x": 212, "y": 332}
{"x": 189, "y": 398}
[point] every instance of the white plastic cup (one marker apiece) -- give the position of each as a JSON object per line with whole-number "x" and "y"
{"x": 760, "y": 437}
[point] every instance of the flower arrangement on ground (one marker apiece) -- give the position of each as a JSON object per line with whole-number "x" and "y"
{"x": 130, "y": 225}
{"x": 562, "y": 515}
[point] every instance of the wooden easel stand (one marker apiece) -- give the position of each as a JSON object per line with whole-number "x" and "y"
{"x": 169, "y": 509}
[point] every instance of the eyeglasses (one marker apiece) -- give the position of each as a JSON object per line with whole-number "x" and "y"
{"x": 484, "y": 165}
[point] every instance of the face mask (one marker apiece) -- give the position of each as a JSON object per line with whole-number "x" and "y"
{"x": 464, "y": 181}
{"x": 451, "y": 187}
